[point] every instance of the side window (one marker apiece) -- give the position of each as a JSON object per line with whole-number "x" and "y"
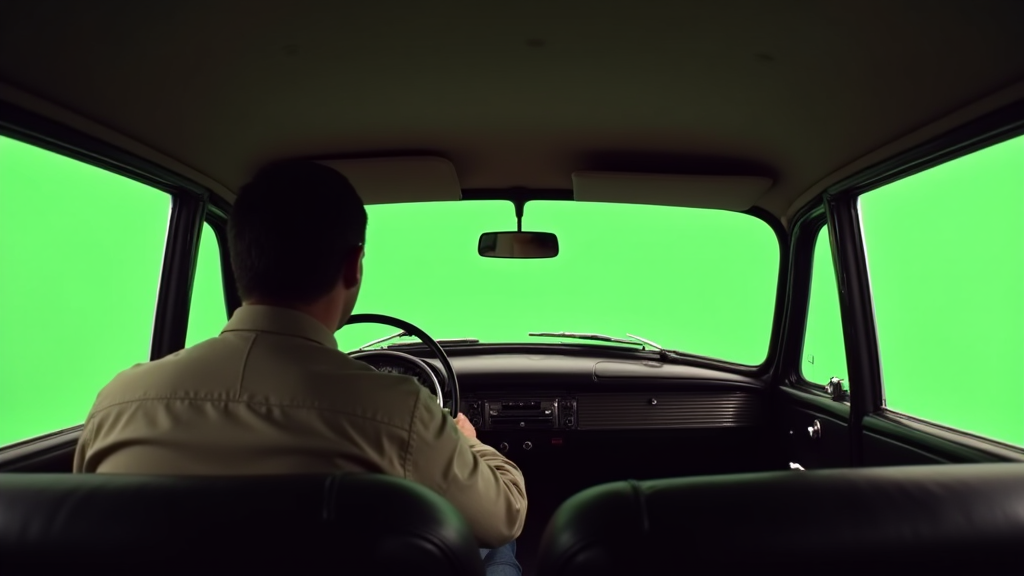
{"x": 81, "y": 251}
{"x": 945, "y": 254}
{"x": 207, "y": 310}
{"x": 824, "y": 352}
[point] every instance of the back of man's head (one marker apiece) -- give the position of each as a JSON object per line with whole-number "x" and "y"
{"x": 292, "y": 231}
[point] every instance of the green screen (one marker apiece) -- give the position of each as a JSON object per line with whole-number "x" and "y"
{"x": 824, "y": 355}
{"x": 702, "y": 281}
{"x": 945, "y": 253}
{"x": 80, "y": 257}
{"x": 81, "y": 251}
{"x": 208, "y": 313}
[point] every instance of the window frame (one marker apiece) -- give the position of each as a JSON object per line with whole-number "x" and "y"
{"x": 868, "y": 411}
{"x": 520, "y": 198}
{"x": 808, "y": 223}
{"x": 820, "y": 225}
{"x": 217, "y": 217}
{"x": 190, "y": 203}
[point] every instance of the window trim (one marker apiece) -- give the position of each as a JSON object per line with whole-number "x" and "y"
{"x": 217, "y": 217}
{"x": 857, "y": 313}
{"x": 935, "y": 437}
{"x": 807, "y": 225}
{"x": 189, "y": 201}
{"x": 775, "y": 337}
{"x": 520, "y": 197}
{"x": 177, "y": 275}
{"x": 856, "y": 300}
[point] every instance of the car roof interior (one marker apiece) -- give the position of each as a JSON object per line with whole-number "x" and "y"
{"x": 741, "y": 105}
{"x": 518, "y": 95}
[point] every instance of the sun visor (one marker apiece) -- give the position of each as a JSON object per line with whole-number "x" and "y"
{"x": 401, "y": 179}
{"x": 735, "y": 193}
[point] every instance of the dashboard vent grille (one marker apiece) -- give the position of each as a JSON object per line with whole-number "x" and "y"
{"x": 667, "y": 410}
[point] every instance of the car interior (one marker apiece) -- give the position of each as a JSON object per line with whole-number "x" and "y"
{"x": 638, "y": 458}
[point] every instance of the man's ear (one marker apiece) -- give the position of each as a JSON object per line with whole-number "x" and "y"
{"x": 352, "y": 275}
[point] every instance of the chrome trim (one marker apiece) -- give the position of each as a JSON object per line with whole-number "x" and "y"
{"x": 382, "y": 340}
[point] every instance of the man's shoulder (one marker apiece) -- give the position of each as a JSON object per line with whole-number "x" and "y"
{"x": 238, "y": 367}
{"x": 144, "y": 379}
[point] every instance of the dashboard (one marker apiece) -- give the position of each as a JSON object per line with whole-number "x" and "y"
{"x": 405, "y": 367}
{"x": 521, "y": 400}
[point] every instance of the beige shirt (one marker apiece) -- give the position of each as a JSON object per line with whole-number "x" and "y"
{"x": 274, "y": 395}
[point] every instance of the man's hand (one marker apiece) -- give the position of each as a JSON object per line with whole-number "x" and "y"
{"x": 464, "y": 426}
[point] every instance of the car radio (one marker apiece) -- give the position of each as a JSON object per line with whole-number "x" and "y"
{"x": 532, "y": 414}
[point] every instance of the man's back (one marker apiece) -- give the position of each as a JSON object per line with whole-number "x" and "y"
{"x": 273, "y": 395}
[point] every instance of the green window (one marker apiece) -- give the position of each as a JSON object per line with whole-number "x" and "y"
{"x": 702, "y": 281}
{"x": 81, "y": 251}
{"x": 824, "y": 352}
{"x": 945, "y": 254}
{"x": 208, "y": 309}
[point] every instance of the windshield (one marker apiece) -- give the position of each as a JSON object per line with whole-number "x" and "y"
{"x": 700, "y": 281}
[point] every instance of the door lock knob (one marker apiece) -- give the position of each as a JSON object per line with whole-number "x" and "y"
{"x": 814, "y": 430}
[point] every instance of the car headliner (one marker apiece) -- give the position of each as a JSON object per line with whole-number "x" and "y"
{"x": 518, "y": 94}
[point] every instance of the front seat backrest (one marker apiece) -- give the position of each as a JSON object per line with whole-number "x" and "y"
{"x": 110, "y": 524}
{"x": 944, "y": 519}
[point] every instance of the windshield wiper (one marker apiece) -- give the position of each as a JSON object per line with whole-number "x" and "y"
{"x": 664, "y": 353}
{"x": 668, "y": 353}
{"x": 584, "y": 336}
{"x": 441, "y": 341}
{"x": 403, "y": 334}
{"x": 382, "y": 340}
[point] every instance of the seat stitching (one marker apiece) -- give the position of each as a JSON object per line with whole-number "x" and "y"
{"x": 330, "y": 495}
{"x": 641, "y": 500}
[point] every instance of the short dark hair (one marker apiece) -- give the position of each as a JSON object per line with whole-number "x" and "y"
{"x": 292, "y": 230}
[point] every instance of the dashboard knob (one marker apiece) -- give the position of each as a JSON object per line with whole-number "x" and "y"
{"x": 503, "y": 446}
{"x": 476, "y": 422}
{"x": 527, "y": 445}
{"x": 569, "y": 422}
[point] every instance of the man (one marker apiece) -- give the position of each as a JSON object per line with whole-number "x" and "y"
{"x": 274, "y": 395}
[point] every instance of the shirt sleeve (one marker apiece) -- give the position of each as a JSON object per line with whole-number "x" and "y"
{"x": 487, "y": 488}
{"x": 82, "y": 450}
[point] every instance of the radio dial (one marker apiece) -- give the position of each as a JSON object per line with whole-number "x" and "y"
{"x": 503, "y": 446}
{"x": 527, "y": 445}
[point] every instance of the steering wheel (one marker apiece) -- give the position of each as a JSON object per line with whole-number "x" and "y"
{"x": 446, "y": 365}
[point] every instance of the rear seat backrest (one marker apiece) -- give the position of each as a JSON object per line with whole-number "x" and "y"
{"x": 110, "y": 524}
{"x": 944, "y": 519}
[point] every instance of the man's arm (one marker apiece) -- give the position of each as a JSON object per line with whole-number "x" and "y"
{"x": 82, "y": 449}
{"x": 487, "y": 488}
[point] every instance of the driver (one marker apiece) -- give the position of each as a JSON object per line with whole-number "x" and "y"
{"x": 272, "y": 394}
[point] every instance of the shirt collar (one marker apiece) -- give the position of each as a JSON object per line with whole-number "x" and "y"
{"x": 283, "y": 321}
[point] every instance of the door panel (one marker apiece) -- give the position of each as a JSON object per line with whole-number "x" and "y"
{"x": 891, "y": 439}
{"x": 829, "y": 446}
{"x": 51, "y": 453}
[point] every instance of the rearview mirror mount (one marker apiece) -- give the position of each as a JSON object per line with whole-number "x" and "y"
{"x": 518, "y": 245}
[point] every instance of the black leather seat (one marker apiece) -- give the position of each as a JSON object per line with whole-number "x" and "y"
{"x": 945, "y": 519}
{"x": 326, "y": 524}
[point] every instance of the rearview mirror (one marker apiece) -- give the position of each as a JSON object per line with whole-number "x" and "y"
{"x": 518, "y": 245}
